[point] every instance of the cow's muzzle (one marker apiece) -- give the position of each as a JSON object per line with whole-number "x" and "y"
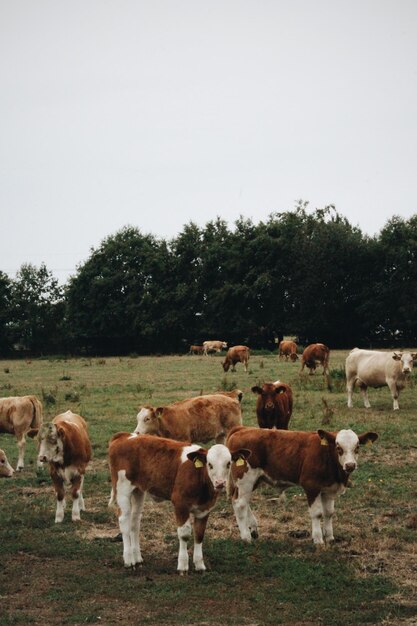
{"x": 350, "y": 467}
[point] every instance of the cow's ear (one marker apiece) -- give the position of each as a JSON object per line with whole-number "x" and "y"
{"x": 367, "y": 438}
{"x": 158, "y": 411}
{"x": 397, "y": 357}
{"x": 326, "y": 437}
{"x": 240, "y": 456}
{"x": 198, "y": 457}
{"x": 280, "y": 389}
{"x": 61, "y": 433}
{"x": 414, "y": 356}
{"x": 256, "y": 389}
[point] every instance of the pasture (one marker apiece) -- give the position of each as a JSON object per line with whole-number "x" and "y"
{"x": 73, "y": 573}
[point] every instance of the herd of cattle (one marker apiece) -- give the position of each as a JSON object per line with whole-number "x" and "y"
{"x": 164, "y": 459}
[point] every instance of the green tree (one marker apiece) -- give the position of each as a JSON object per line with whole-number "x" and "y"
{"x": 5, "y": 314}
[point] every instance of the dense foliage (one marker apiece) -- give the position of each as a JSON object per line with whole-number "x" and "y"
{"x": 311, "y": 275}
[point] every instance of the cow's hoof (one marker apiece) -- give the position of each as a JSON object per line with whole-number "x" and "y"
{"x": 254, "y": 534}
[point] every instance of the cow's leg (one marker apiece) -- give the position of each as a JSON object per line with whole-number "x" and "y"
{"x": 124, "y": 492}
{"x": 200, "y": 524}
{"x": 21, "y": 444}
{"x": 76, "y": 490}
{"x": 137, "y": 501}
{"x": 328, "y": 511}
{"x": 315, "y": 508}
{"x": 81, "y": 495}
{"x": 60, "y": 498}
{"x": 245, "y": 519}
{"x": 394, "y": 393}
{"x": 349, "y": 387}
{"x": 184, "y": 531}
{"x": 364, "y": 392}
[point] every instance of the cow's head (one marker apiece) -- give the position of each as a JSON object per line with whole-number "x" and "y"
{"x": 148, "y": 422}
{"x": 51, "y": 444}
{"x": 293, "y": 356}
{"x": 6, "y": 469}
{"x": 224, "y": 345}
{"x": 346, "y": 444}
{"x": 407, "y": 360}
{"x": 218, "y": 461}
{"x": 226, "y": 365}
{"x": 268, "y": 392}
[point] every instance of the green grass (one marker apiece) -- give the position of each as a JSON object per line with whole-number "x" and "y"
{"x": 74, "y": 574}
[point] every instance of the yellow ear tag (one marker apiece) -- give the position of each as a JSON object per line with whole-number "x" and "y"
{"x": 240, "y": 461}
{"x": 324, "y": 442}
{"x": 369, "y": 442}
{"x": 198, "y": 463}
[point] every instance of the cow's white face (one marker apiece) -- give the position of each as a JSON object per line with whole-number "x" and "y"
{"x": 347, "y": 447}
{"x": 147, "y": 422}
{"x": 5, "y": 468}
{"x": 219, "y": 462}
{"x": 51, "y": 446}
{"x": 406, "y": 359}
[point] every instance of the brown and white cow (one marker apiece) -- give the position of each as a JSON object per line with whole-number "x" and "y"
{"x": 198, "y": 419}
{"x": 6, "y": 470}
{"x": 214, "y": 346}
{"x": 196, "y": 350}
{"x": 320, "y": 462}
{"x": 273, "y": 405}
{"x": 371, "y": 368}
{"x": 313, "y": 354}
{"x": 236, "y": 354}
{"x": 20, "y": 416}
{"x": 64, "y": 444}
{"x": 187, "y": 475}
{"x": 288, "y": 349}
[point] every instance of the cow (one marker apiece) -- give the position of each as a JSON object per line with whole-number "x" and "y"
{"x": 20, "y": 416}
{"x": 198, "y": 419}
{"x": 196, "y": 349}
{"x": 371, "y": 368}
{"x": 64, "y": 444}
{"x": 320, "y": 462}
{"x": 213, "y": 346}
{"x": 273, "y": 405}
{"x": 313, "y": 354}
{"x": 6, "y": 470}
{"x": 189, "y": 476}
{"x": 236, "y": 394}
{"x": 288, "y": 349}
{"x": 236, "y": 354}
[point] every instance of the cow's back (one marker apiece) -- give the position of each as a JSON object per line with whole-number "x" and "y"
{"x": 19, "y": 413}
{"x": 370, "y": 366}
{"x": 77, "y": 445}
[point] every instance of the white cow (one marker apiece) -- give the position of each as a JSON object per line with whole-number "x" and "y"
{"x": 370, "y": 368}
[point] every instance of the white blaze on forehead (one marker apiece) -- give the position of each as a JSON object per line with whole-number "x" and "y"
{"x": 348, "y": 442}
{"x": 218, "y": 464}
{"x": 407, "y": 361}
{"x": 277, "y": 382}
{"x": 143, "y": 416}
{"x": 186, "y": 450}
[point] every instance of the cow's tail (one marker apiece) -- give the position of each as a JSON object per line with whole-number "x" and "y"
{"x": 36, "y": 416}
{"x": 112, "y": 500}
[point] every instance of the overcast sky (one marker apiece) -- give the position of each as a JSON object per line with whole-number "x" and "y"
{"x": 157, "y": 112}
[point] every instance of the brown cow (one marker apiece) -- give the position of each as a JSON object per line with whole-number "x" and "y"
{"x": 236, "y": 354}
{"x": 198, "y": 419}
{"x": 190, "y": 476}
{"x": 20, "y": 416}
{"x": 274, "y": 405}
{"x": 65, "y": 445}
{"x": 196, "y": 350}
{"x": 288, "y": 349}
{"x": 320, "y": 462}
{"x": 313, "y": 354}
{"x": 6, "y": 469}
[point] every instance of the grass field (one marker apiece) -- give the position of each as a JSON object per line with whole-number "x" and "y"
{"x": 73, "y": 573}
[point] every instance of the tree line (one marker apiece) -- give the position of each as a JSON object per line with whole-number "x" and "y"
{"x": 310, "y": 275}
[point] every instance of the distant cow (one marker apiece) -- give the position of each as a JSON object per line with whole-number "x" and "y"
{"x": 196, "y": 349}
{"x": 236, "y": 354}
{"x": 65, "y": 445}
{"x": 20, "y": 416}
{"x": 313, "y": 354}
{"x": 274, "y": 405}
{"x": 370, "y": 368}
{"x": 6, "y": 469}
{"x": 214, "y": 346}
{"x": 198, "y": 419}
{"x": 288, "y": 349}
{"x": 190, "y": 476}
{"x": 320, "y": 462}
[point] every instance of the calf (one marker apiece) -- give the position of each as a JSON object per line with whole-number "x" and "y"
{"x": 65, "y": 445}
{"x": 236, "y": 354}
{"x": 187, "y": 475}
{"x": 370, "y": 368}
{"x": 196, "y": 349}
{"x": 320, "y": 462}
{"x": 274, "y": 405}
{"x": 198, "y": 419}
{"x": 6, "y": 469}
{"x": 20, "y": 416}
{"x": 313, "y": 354}
{"x": 288, "y": 349}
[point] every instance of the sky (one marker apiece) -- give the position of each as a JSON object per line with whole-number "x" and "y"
{"x": 155, "y": 113}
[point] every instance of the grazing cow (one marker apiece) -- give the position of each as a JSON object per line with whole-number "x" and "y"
{"x": 370, "y": 368}
{"x": 288, "y": 349}
{"x": 313, "y": 354}
{"x": 213, "y": 346}
{"x": 5, "y": 468}
{"x": 196, "y": 349}
{"x": 20, "y": 416}
{"x": 320, "y": 462}
{"x": 236, "y": 354}
{"x": 199, "y": 419}
{"x": 65, "y": 445}
{"x": 274, "y": 405}
{"x": 190, "y": 476}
